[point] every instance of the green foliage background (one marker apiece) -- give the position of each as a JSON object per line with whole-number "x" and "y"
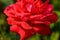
{"x": 6, "y": 34}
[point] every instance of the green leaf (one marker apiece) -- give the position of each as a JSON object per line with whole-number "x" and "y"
{"x": 7, "y": 2}
{"x": 54, "y": 36}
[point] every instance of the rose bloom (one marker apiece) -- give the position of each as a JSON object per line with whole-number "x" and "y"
{"x": 28, "y": 17}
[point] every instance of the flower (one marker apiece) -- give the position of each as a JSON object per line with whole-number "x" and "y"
{"x": 27, "y": 17}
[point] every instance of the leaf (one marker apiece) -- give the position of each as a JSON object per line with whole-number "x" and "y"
{"x": 54, "y": 36}
{"x": 7, "y": 2}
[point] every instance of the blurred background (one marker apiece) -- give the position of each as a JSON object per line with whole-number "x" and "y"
{"x": 6, "y": 34}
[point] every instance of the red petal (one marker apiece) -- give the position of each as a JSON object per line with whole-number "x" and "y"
{"x": 45, "y": 30}
{"x": 26, "y": 26}
{"x": 51, "y": 18}
{"x": 14, "y": 28}
{"x": 11, "y": 21}
{"x": 23, "y": 34}
{"x": 49, "y": 9}
{"x": 9, "y": 11}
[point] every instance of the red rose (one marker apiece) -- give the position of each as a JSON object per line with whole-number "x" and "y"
{"x": 27, "y": 17}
